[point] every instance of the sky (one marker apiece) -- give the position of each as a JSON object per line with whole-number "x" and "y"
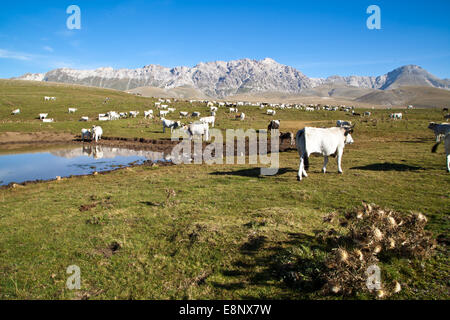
{"x": 320, "y": 38}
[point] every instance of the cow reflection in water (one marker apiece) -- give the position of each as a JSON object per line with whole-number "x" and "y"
{"x": 94, "y": 151}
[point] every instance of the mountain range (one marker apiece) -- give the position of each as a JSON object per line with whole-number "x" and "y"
{"x": 245, "y": 76}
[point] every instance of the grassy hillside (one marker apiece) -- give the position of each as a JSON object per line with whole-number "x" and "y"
{"x": 204, "y": 232}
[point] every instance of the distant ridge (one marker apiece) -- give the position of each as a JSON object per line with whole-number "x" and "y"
{"x": 221, "y": 79}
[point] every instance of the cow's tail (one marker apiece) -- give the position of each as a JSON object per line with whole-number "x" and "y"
{"x": 434, "y": 149}
{"x": 302, "y": 153}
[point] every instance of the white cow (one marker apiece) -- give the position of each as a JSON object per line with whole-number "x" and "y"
{"x": 148, "y": 114}
{"x": 46, "y": 98}
{"x": 213, "y": 109}
{"x": 198, "y": 129}
{"x": 163, "y": 113}
{"x": 231, "y": 110}
{"x": 133, "y": 114}
{"x": 85, "y": 134}
{"x": 97, "y": 132}
{"x": 440, "y": 130}
{"x": 14, "y": 112}
{"x": 271, "y": 112}
{"x": 72, "y": 110}
{"x": 84, "y": 119}
{"x": 396, "y": 116}
{"x": 171, "y": 109}
{"x": 48, "y": 120}
{"x": 209, "y": 120}
{"x": 324, "y": 141}
{"x": 170, "y": 124}
{"x": 447, "y": 149}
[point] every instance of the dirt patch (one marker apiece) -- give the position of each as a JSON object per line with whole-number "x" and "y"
{"x": 34, "y": 137}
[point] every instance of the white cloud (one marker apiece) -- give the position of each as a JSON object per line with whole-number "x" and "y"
{"x": 6, "y": 54}
{"x": 48, "y": 48}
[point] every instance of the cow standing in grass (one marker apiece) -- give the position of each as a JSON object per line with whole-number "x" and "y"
{"x": 324, "y": 141}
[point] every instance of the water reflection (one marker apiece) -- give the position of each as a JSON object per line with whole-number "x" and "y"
{"x": 49, "y": 163}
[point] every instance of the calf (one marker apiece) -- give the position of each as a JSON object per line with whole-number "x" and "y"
{"x": 85, "y": 134}
{"x": 273, "y": 125}
{"x": 324, "y": 141}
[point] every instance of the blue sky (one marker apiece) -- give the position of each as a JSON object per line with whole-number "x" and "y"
{"x": 319, "y": 38}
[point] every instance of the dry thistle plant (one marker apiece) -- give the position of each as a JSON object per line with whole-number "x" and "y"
{"x": 372, "y": 234}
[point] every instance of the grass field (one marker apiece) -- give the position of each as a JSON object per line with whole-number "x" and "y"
{"x": 209, "y": 231}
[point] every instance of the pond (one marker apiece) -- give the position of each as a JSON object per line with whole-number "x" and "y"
{"x": 46, "y": 164}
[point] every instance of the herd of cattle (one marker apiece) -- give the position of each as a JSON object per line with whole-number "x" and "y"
{"x": 324, "y": 141}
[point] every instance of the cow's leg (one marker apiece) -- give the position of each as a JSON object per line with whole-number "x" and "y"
{"x": 339, "y": 160}
{"x": 300, "y": 169}
{"x": 325, "y": 162}
{"x": 448, "y": 162}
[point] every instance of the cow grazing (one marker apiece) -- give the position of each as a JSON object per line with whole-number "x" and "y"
{"x": 209, "y": 120}
{"x": 72, "y": 110}
{"x": 14, "y": 112}
{"x": 85, "y": 134}
{"x": 198, "y": 129}
{"x": 287, "y": 136}
{"x": 163, "y": 113}
{"x": 84, "y": 119}
{"x": 184, "y": 113}
{"x": 342, "y": 123}
{"x": 133, "y": 114}
{"x": 324, "y": 141}
{"x": 396, "y": 116}
{"x": 271, "y": 112}
{"x": 96, "y": 132}
{"x": 148, "y": 114}
{"x": 170, "y": 124}
{"x": 440, "y": 130}
{"x": 273, "y": 125}
{"x": 447, "y": 149}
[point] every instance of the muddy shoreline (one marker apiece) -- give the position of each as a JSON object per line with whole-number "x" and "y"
{"x": 162, "y": 145}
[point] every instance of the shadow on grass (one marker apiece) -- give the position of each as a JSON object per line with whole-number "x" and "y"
{"x": 253, "y": 172}
{"x": 388, "y": 167}
{"x": 264, "y": 264}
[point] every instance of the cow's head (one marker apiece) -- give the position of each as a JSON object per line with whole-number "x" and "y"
{"x": 432, "y": 125}
{"x": 347, "y": 134}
